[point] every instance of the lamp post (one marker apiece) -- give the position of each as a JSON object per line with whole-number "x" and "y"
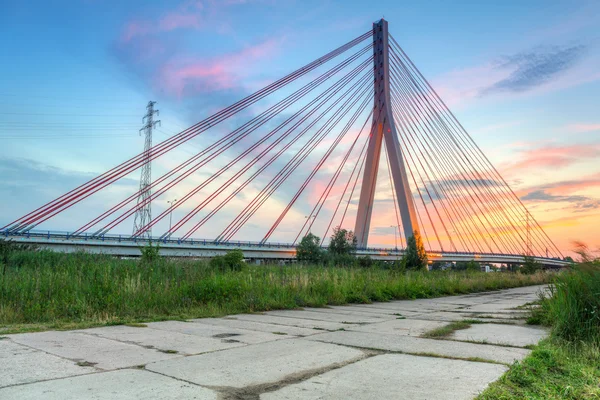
{"x": 171, "y": 202}
{"x": 395, "y": 235}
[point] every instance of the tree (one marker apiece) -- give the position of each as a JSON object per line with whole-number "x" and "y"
{"x": 530, "y": 265}
{"x": 233, "y": 260}
{"x": 343, "y": 242}
{"x": 416, "y": 257}
{"x": 309, "y": 249}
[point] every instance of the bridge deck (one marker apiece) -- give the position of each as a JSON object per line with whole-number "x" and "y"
{"x": 122, "y": 245}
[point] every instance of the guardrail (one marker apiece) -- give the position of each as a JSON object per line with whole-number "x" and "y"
{"x": 63, "y": 238}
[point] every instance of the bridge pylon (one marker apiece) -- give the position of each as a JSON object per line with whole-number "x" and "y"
{"x": 383, "y": 128}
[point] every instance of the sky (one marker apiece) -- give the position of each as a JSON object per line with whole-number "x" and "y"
{"x": 522, "y": 77}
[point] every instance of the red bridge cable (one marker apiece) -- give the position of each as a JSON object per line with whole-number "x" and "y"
{"x": 421, "y": 224}
{"x": 261, "y": 118}
{"x": 479, "y": 201}
{"x": 284, "y": 176}
{"x": 236, "y": 224}
{"x": 462, "y": 133}
{"x": 495, "y": 211}
{"x": 30, "y": 218}
{"x": 412, "y": 105}
{"x": 247, "y": 151}
{"x": 445, "y": 195}
{"x": 432, "y": 126}
{"x": 358, "y": 161}
{"x": 316, "y": 169}
{"x": 410, "y": 130}
{"x": 257, "y": 121}
{"x": 243, "y": 185}
{"x": 256, "y": 159}
{"x": 325, "y": 195}
{"x": 428, "y": 195}
{"x": 389, "y": 170}
{"x": 479, "y": 154}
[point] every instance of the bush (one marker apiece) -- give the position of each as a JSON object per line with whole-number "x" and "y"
{"x": 150, "y": 253}
{"x": 309, "y": 249}
{"x": 232, "y": 261}
{"x": 530, "y": 265}
{"x": 343, "y": 242}
{"x": 416, "y": 257}
{"x": 365, "y": 262}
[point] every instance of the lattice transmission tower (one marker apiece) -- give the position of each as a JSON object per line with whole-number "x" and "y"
{"x": 143, "y": 215}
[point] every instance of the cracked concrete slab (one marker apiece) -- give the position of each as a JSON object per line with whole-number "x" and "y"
{"x": 20, "y": 364}
{"x": 125, "y": 384}
{"x": 394, "y": 376}
{"x": 200, "y": 329}
{"x": 255, "y": 365}
{"x": 375, "y": 310}
{"x": 162, "y": 340}
{"x": 233, "y": 322}
{"x": 103, "y": 353}
{"x": 415, "y": 345}
{"x": 404, "y": 327}
{"x": 299, "y": 322}
{"x": 496, "y": 308}
{"x": 512, "y": 335}
{"x": 326, "y": 316}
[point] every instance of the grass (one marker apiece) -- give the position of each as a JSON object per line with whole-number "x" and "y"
{"x": 45, "y": 290}
{"x": 446, "y": 330}
{"x": 567, "y": 364}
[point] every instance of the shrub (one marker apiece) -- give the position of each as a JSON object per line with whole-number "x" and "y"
{"x": 343, "y": 242}
{"x": 530, "y": 265}
{"x": 150, "y": 253}
{"x": 365, "y": 262}
{"x": 232, "y": 261}
{"x": 416, "y": 257}
{"x": 309, "y": 249}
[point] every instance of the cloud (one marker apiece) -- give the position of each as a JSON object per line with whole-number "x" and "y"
{"x": 554, "y": 156}
{"x": 528, "y": 70}
{"x": 580, "y": 203}
{"x": 539, "y": 70}
{"x": 583, "y": 128}
{"x": 186, "y": 15}
{"x": 179, "y": 77}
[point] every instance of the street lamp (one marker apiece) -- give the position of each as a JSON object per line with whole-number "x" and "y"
{"x": 395, "y": 235}
{"x": 171, "y": 213}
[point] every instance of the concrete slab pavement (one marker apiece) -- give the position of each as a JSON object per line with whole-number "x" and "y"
{"x": 396, "y": 376}
{"x": 363, "y": 351}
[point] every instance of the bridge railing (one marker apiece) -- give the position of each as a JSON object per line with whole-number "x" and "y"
{"x": 65, "y": 235}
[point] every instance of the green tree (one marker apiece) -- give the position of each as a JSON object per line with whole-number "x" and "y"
{"x": 415, "y": 257}
{"x": 150, "y": 253}
{"x": 309, "y": 249}
{"x": 530, "y": 265}
{"x": 233, "y": 261}
{"x": 343, "y": 242}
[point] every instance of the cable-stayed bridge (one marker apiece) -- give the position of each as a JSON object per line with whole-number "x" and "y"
{"x": 318, "y": 142}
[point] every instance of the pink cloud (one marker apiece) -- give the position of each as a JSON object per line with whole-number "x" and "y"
{"x": 174, "y": 21}
{"x": 554, "y": 156}
{"x": 583, "y": 128}
{"x": 135, "y": 28}
{"x": 220, "y": 73}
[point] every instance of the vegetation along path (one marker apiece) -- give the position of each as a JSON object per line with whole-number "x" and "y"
{"x": 440, "y": 348}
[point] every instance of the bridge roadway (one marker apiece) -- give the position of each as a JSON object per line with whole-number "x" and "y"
{"x": 123, "y": 245}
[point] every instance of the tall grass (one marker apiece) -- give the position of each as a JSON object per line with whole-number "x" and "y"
{"x": 566, "y": 365}
{"x": 573, "y": 305}
{"x": 47, "y": 288}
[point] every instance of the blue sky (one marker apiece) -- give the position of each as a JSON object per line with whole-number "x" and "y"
{"x": 522, "y": 77}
